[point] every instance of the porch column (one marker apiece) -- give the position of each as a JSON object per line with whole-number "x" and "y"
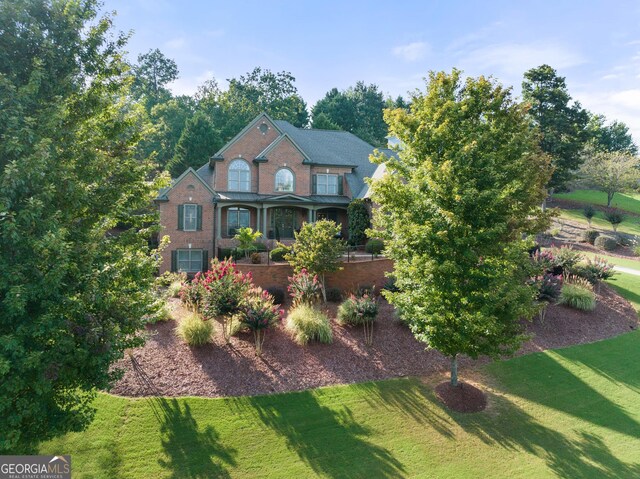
{"x": 218, "y": 221}
{"x": 258, "y": 228}
{"x": 310, "y": 215}
{"x": 264, "y": 221}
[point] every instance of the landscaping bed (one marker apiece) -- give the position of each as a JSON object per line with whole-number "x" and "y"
{"x": 168, "y": 367}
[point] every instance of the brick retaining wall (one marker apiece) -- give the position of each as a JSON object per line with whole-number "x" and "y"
{"x": 351, "y": 277}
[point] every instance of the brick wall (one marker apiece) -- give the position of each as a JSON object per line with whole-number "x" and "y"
{"x": 353, "y": 276}
{"x": 284, "y": 154}
{"x": 189, "y": 190}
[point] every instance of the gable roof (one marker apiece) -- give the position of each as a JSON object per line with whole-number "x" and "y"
{"x": 261, "y": 116}
{"x": 276, "y": 142}
{"x": 163, "y": 194}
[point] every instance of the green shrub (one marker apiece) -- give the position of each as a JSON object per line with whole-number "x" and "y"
{"x": 334, "y": 295}
{"x": 161, "y": 315}
{"x": 304, "y": 288}
{"x": 589, "y": 236}
{"x": 256, "y": 258}
{"x": 614, "y": 217}
{"x": 577, "y": 297}
{"x": 636, "y": 250}
{"x": 589, "y": 212}
{"x": 390, "y": 284}
{"x": 357, "y": 310}
{"x": 277, "y": 254}
{"x": 374, "y": 246}
{"x": 606, "y": 242}
{"x": 306, "y": 323}
{"x": 278, "y": 294}
{"x": 258, "y": 312}
{"x": 624, "y": 240}
{"x": 358, "y": 221}
{"x": 173, "y": 291}
{"x": 260, "y": 247}
{"x": 166, "y": 278}
{"x": 194, "y": 330}
{"x": 233, "y": 253}
{"x": 564, "y": 258}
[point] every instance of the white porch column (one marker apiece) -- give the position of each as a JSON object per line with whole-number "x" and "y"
{"x": 218, "y": 221}
{"x": 258, "y": 225}
{"x": 264, "y": 221}
{"x": 310, "y": 215}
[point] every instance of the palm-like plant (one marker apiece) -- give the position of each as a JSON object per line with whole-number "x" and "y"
{"x": 246, "y": 237}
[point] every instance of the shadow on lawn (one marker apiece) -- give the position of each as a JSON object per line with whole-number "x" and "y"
{"x": 586, "y": 456}
{"x": 330, "y": 441}
{"x": 192, "y": 452}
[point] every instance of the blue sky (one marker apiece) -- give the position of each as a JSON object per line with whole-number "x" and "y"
{"x": 325, "y": 44}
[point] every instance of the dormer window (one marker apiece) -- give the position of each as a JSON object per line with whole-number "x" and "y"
{"x": 284, "y": 180}
{"x": 239, "y": 176}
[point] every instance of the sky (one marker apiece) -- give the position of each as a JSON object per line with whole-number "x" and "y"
{"x": 595, "y": 45}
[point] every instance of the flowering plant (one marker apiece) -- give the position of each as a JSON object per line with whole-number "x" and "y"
{"x": 258, "y": 313}
{"x": 192, "y": 293}
{"x": 543, "y": 260}
{"x": 356, "y": 310}
{"x": 304, "y": 288}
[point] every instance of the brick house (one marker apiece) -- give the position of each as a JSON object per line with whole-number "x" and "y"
{"x": 271, "y": 177}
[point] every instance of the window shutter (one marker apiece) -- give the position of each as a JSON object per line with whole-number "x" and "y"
{"x": 199, "y": 219}
{"x": 205, "y": 260}
{"x": 180, "y": 217}
{"x": 314, "y": 184}
{"x": 174, "y": 261}
{"x": 340, "y": 189}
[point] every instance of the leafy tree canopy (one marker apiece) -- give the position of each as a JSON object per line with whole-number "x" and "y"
{"x": 611, "y": 137}
{"x": 562, "y": 123}
{"x": 73, "y": 293}
{"x": 151, "y": 75}
{"x": 198, "y": 142}
{"x": 357, "y": 110}
{"x": 453, "y": 211}
{"x": 610, "y": 171}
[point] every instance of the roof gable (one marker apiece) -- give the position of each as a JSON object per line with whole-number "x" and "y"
{"x": 262, "y": 116}
{"x": 276, "y": 142}
{"x": 163, "y": 194}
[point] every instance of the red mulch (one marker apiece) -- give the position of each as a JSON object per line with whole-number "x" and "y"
{"x": 461, "y": 398}
{"x": 620, "y": 252}
{"x": 171, "y": 368}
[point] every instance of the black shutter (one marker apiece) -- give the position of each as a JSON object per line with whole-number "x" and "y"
{"x": 180, "y": 217}
{"x": 205, "y": 260}
{"x": 174, "y": 261}
{"x": 314, "y": 184}
{"x": 340, "y": 189}
{"x": 199, "y": 218}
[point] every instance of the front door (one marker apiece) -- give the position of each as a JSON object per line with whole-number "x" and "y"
{"x": 283, "y": 222}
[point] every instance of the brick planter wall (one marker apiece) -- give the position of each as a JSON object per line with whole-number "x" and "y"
{"x": 353, "y": 276}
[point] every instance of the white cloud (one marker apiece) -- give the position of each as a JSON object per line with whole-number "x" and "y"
{"x": 621, "y": 105}
{"x": 176, "y": 43}
{"x": 412, "y": 52}
{"x": 514, "y": 59}
{"x": 188, "y": 86}
{"x": 610, "y": 76}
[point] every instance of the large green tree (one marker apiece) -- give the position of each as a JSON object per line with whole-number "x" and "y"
{"x": 610, "y": 137}
{"x": 454, "y": 207}
{"x": 610, "y": 171}
{"x": 357, "y": 110}
{"x": 73, "y": 291}
{"x": 198, "y": 142}
{"x": 562, "y": 122}
{"x": 152, "y": 73}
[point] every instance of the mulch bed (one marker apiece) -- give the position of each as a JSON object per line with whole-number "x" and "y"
{"x": 171, "y": 368}
{"x": 461, "y": 398}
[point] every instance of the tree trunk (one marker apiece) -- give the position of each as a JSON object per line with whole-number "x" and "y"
{"x": 322, "y": 288}
{"x": 610, "y": 198}
{"x": 454, "y": 370}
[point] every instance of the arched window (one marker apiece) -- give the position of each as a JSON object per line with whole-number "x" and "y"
{"x": 239, "y": 176}
{"x": 284, "y": 180}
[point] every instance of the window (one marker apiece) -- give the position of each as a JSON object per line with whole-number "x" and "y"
{"x": 284, "y": 180}
{"x": 190, "y": 217}
{"x": 237, "y": 218}
{"x": 239, "y": 176}
{"x": 327, "y": 184}
{"x": 189, "y": 260}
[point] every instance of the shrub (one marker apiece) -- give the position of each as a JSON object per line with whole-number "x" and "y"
{"x": 548, "y": 287}
{"x": 594, "y": 271}
{"x": 334, "y": 295}
{"x": 359, "y": 221}
{"x": 256, "y": 258}
{"x": 390, "y": 284}
{"x": 589, "y": 236}
{"x": 161, "y": 315}
{"x": 614, "y": 217}
{"x": 359, "y": 310}
{"x": 544, "y": 261}
{"x": 577, "y": 297}
{"x": 194, "y": 330}
{"x": 564, "y": 258}
{"x": 258, "y": 312}
{"x": 230, "y": 253}
{"x": 624, "y": 240}
{"x": 173, "y": 291}
{"x": 365, "y": 289}
{"x": 307, "y": 323}
{"x": 246, "y": 237}
{"x": 304, "y": 288}
{"x": 374, "y": 246}
{"x": 589, "y": 212}
{"x": 192, "y": 293}
{"x": 278, "y": 293}
{"x": 167, "y": 278}
{"x": 277, "y": 254}
{"x": 636, "y": 250}
{"x": 606, "y": 242}
{"x": 259, "y": 246}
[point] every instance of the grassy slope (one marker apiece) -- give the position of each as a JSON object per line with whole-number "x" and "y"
{"x": 631, "y": 224}
{"x": 624, "y": 201}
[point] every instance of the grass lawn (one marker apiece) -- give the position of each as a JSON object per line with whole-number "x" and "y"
{"x": 624, "y": 201}
{"x": 631, "y": 224}
{"x": 626, "y": 262}
{"x": 627, "y": 285}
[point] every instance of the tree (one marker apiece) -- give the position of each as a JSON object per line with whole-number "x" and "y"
{"x": 246, "y": 237}
{"x": 199, "y": 141}
{"x": 152, "y": 73}
{"x": 73, "y": 294}
{"x": 610, "y": 172}
{"x": 318, "y": 250}
{"x": 612, "y": 137}
{"x": 359, "y": 221}
{"x": 357, "y": 110}
{"x": 563, "y": 125}
{"x": 322, "y": 122}
{"x": 453, "y": 210}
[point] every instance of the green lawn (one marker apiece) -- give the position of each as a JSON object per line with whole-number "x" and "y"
{"x": 631, "y": 224}
{"x": 627, "y": 285}
{"x": 624, "y": 201}
{"x": 626, "y": 262}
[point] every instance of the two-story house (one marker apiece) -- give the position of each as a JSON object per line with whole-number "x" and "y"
{"x": 272, "y": 177}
